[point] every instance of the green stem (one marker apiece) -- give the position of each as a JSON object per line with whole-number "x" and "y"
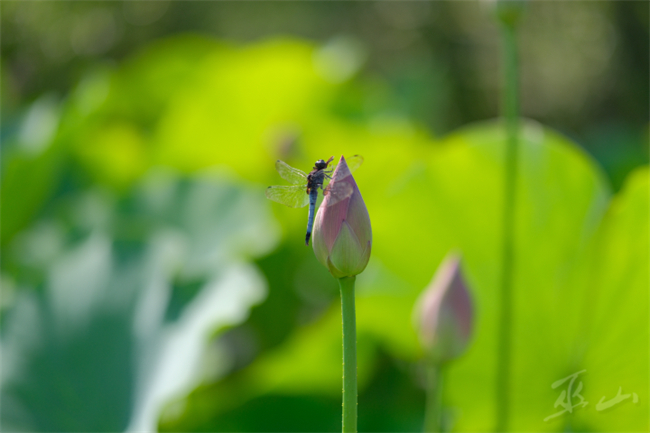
{"x": 349, "y": 355}
{"x": 433, "y": 411}
{"x": 510, "y": 111}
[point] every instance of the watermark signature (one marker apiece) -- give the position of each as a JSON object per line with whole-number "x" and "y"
{"x": 570, "y": 398}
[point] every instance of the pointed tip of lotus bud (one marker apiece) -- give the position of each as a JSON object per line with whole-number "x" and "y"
{"x": 342, "y": 170}
{"x": 445, "y": 313}
{"x": 342, "y": 237}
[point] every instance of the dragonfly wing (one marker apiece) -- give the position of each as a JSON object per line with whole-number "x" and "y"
{"x": 292, "y": 196}
{"x": 290, "y": 174}
{"x": 354, "y": 162}
{"x": 336, "y": 192}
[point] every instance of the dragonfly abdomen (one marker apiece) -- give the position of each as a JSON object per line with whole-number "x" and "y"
{"x": 313, "y": 197}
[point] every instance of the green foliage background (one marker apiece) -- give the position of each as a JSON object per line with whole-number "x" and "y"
{"x": 148, "y": 284}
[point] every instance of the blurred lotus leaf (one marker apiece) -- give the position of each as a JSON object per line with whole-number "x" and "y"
{"x": 121, "y": 321}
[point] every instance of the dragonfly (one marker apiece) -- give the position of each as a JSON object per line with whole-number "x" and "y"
{"x": 304, "y": 188}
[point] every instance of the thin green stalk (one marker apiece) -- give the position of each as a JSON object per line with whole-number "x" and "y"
{"x": 510, "y": 111}
{"x": 433, "y": 411}
{"x": 349, "y": 355}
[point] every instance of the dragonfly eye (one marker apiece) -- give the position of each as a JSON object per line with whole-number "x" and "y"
{"x": 320, "y": 164}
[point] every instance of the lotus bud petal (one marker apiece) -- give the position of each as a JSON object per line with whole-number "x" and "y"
{"x": 445, "y": 314}
{"x": 342, "y": 234}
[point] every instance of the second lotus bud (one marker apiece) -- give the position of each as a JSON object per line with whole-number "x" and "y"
{"x": 445, "y": 313}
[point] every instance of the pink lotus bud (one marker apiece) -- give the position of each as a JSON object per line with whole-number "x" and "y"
{"x": 444, "y": 313}
{"x": 342, "y": 234}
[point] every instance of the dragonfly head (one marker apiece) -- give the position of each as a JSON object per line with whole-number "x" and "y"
{"x": 321, "y": 164}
